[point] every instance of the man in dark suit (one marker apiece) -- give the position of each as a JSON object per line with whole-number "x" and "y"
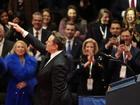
{"x": 127, "y": 62}
{"x": 52, "y": 87}
{"x": 119, "y": 6}
{"x": 5, "y": 48}
{"x": 73, "y": 48}
{"x": 75, "y": 43}
{"x": 37, "y": 31}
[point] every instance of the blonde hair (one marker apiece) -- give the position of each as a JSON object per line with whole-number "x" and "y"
{"x": 23, "y": 43}
{"x": 101, "y": 13}
{"x": 125, "y": 15}
{"x": 90, "y": 40}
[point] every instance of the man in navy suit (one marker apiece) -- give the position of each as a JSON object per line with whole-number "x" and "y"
{"x": 75, "y": 43}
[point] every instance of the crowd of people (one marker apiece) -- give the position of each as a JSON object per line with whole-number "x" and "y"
{"x": 51, "y": 54}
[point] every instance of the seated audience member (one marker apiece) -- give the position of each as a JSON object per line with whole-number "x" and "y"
{"x": 127, "y": 57}
{"x": 20, "y": 70}
{"x": 90, "y": 71}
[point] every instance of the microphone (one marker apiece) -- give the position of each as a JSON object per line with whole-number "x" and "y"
{"x": 108, "y": 56}
{"x": 115, "y": 59}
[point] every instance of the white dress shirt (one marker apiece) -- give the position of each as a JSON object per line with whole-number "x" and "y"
{"x": 1, "y": 46}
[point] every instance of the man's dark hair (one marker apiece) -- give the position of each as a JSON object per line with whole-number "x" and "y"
{"x": 59, "y": 39}
{"x": 115, "y": 21}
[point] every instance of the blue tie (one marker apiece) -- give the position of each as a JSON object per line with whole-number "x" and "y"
{"x": 69, "y": 47}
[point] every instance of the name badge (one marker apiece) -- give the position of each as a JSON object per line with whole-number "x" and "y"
{"x": 89, "y": 84}
{"x": 123, "y": 71}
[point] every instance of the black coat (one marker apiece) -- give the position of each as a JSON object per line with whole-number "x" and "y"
{"x": 52, "y": 88}
{"x": 97, "y": 76}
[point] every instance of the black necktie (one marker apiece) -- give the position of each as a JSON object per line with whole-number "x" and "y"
{"x": 37, "y": 33}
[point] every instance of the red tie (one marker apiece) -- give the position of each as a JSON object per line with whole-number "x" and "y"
{"x": 133, "y": 3}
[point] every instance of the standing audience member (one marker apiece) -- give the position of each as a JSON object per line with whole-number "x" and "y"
{"x": 87, "y": 9}
{"x": 5, "y": 45}
{"x": 37, "y": 31}
{"x": 127, "y": 58}
{"x": 5, "y": 48}
{"x": 58, "y": 7}
{"x": 25, "y": 7}
{"x": 73, "y": 48}
{"x": 131, "y": 22}
{"x": 99, "y": 29}
{"x": 73, "y": 44}
{"x": 4, "y": 18}
{"x": 52, "y": 87}
{"x": 72, "y": 16}
{"x": 112, "y": 42}
{"x": 114, "y": 39}
{"x": 12, "y": 35}
{"x": 119, "y": 7}
{"x": 21, "y": 79}
{"x": 48, "y": 20}
{"x": 90, "y": 71}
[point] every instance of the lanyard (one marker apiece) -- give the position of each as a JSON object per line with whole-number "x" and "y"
{"x": 90, "y": 69}
{"x": 104, "y": 33}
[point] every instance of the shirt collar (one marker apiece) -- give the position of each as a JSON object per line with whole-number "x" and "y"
{"x": 39, "y": 31}
{"x": 55, "y": 54}
{"x": 1, "y": 42}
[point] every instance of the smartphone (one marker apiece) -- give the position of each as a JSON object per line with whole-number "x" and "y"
{"x": 122, "y": 42}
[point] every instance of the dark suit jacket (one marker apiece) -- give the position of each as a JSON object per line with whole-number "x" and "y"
{"x": 44, "y": 36}
{"x": 132, "y": 66}
{"x": 5, "y": 50}
{"x": 52, "y": 88}
{"x": 76, "y": 50}
{"x": 52, "y": 85}
{"x": 7, "y": 47}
